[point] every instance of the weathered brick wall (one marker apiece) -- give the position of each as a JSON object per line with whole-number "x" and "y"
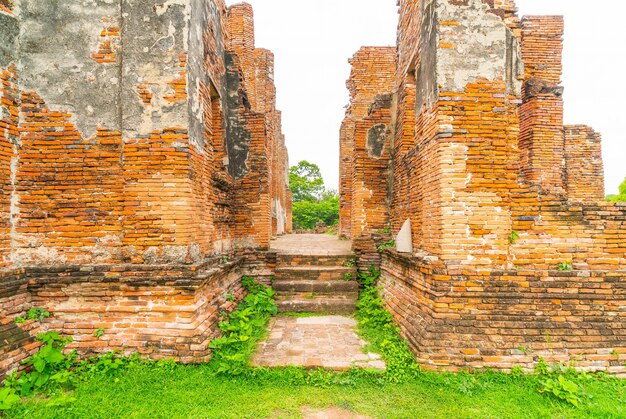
{"x": 584, "y": 172}
{"x": 472, "y": 319}
{"x": 372, "y": 74}
{"x": 499, "y": 193}
{"x": 17, "y": 341}
{"x": 139, "y": 164}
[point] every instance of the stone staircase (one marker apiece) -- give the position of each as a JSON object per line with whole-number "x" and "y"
{"x": 316, "y": 283}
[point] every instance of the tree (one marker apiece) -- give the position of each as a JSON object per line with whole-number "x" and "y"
{"x": 312, "y": 202}
{"x": 621, "y": 197}
{"x": 305, "y": 182}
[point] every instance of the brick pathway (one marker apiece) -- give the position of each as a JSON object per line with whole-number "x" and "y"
{"x": 311, "y": 244}
{"x": 321, "y": 341}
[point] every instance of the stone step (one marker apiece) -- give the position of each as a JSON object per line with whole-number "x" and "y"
{"x": 318, "y": 287}
{"x": 315, "y": 273}
{"x": 285, "y": 260}
{"x": 318, "y": 305}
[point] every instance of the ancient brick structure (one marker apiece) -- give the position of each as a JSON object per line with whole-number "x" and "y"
{"x": 142, "y": 171}
{"x": 498, "y": 191}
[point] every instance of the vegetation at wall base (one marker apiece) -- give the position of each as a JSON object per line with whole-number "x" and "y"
{"x": 115, "y": 386}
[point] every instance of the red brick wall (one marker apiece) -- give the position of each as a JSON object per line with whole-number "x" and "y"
{"x": 9, "y": 105}
{"x": 372, "y": 74}
{"x": 472, "y": 319}
{"x": 584, "y": 172}
{"x": 499, "y": 194}
{"x": 135, "y": 231}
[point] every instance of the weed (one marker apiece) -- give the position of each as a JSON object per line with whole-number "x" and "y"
{"x": 565, "y": 266}
{"x": 99, "y": 332}
{"x": 524, "y": 350}
{"x": 50, "y": 367}
{"x": 8, "y": 398}
{"x": 377, "y": 326}
{"x": 230, "y": 297}
{"x": 562, "y": 388}
{"x": 350, "y": 263}
{"x": 243, "y": 328}
{"x": 35, "y": 313}
{"x": 386, "y": 245}
{"x": 513, "y": 237}
{"x": 347, "y": 276}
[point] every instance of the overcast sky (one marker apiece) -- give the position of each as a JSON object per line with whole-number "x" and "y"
{"x": 312, "y": 41}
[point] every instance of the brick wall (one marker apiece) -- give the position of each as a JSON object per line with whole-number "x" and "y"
{"x": 128, "y": 184}
{"x": 499, "y": 193}
{"x": 372, "y": 74}
{"x": 471, "y": 319}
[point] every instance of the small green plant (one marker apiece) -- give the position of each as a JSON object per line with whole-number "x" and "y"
{"x": 377, "y": 326}
{"x": 615, "y": 354}
{"x": 230, "y": 297}
{"x": 524, "y": 350}
{"x": 99, "y": 332}
{"x": 225, "y": 259}
{"x": 242, "y": 328}
{"x": 35, "y": 313}
{"x": 350, "y": 263}
{"x": 562, "y": 388}
{"x": 386, "y": 245}
{"x": 50, "y": 367}
{"x": 513, "y": 237}
{"x": 565, "y": 266}
{"x": 517, "y": 371}
{"x": 347, "y": 276}
{"x": 8, "y": 398}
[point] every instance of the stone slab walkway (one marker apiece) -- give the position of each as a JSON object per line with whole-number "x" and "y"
{"x": 311, "y": 244}
{"x": 319, "y": 341}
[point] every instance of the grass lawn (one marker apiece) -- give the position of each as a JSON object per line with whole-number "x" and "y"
{"x": 196, "y": 392}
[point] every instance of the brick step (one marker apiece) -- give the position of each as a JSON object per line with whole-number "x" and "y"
{"x": 318, "y": 287}
{"x": 285, "y": 260}
{"x": 315, "y": 273}
{"x": 318, "y": 305}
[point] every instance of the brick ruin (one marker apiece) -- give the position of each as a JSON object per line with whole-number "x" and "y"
{"x": 143, "y": 171}
{"x": 460, "y": 130}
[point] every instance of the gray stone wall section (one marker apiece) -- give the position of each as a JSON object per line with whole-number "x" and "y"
{"x": 57, "y": 40}
{"x": 154, "y": 34}
{"x": 9, "y": 39}
{"x": 480, "y": 46}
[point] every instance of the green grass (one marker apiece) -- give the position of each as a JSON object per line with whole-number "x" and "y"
{"x": 195, "y": 391}
{"x": 227, "y": 387}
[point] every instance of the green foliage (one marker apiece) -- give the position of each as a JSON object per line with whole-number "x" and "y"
{"x": 386, "y": 245}
{"x": 350, "y": 263}
{"x": 312, "y": 203}
{"x": 562, "y": 388}
{"x": 8, "y": 398}
{"x": 565, "y": 266}
{"x": 243, "y": 328}
{"x": 307, "y": 214}
{"x": 50, "y": 367}
{"x": 306, "y": 182}
{"x": 377, "y": 326}
{"x": 513, "y": 237}
{"x": 524, "y": 350}
{"x": 99, "y": 332}
{"x": 347, "y": 276}
{"x": 35, "y": 313}
{"x": 621, "y": 197}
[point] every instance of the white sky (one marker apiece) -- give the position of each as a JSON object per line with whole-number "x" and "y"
{"x": 312, "y": 41}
